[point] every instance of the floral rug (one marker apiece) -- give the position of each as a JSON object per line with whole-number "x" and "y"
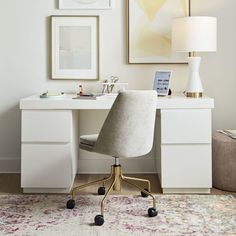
{"x": 29, "y": 215}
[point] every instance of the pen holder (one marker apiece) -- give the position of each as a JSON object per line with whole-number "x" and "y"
{"x": 110, "y": 87}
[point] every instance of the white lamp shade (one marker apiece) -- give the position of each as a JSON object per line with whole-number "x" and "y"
{"x": 194, "y": 34}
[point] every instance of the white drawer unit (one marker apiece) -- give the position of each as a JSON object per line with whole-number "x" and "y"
{"x": 46, "y": 126}
{"x": 186, "y": 126}
{"x": 185, "y": 150}
{"x": 46, "y": 166}
{"x": 48, "y": 151}
{"x": 186, "y": 166}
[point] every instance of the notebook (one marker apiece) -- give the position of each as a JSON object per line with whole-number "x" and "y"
{"x": 90, "y": 96}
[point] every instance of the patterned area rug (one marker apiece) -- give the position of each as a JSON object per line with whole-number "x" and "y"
{"x": 124, "y": 215}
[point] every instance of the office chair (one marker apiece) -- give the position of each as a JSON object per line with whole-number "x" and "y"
{"x": 127, "y": 132}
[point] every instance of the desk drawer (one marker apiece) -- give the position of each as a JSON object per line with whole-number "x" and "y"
{"x": 186, "y": 126}
{"x": 186, "y": 166}
{"x": 46, "y": 166}
{"x": 46, "y": 126}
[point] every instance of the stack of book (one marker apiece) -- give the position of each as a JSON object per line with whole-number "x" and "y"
{"x": 229, "y": 132}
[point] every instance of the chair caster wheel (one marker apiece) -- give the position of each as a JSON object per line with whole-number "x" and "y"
{"x": 144, "y": 194}
{"x": 152, "y": 212}
{"x": 99, "y": 220}
{"x": 70, "y": 204}
{"x": 101, "y": 191}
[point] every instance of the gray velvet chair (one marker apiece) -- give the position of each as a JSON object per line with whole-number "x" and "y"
{"x": 127, "y": 132}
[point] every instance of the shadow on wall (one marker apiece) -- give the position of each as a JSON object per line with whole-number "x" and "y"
{"x": 10, "y": 135}
{"x": 48, "y": 46}
{"x": 56, "y": 4}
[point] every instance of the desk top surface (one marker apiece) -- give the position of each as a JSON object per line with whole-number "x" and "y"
{"x": 176, "y": 101}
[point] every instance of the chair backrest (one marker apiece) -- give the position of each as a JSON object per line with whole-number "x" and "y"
{"x": 128, "y": 130}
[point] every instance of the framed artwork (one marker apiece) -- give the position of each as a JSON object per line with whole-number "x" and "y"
{"x": 75, "y": 47}
{"x": 149, "y": 31}
{"x": 86, "y": 4}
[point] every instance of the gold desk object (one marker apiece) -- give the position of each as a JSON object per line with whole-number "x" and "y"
{"x": 193, "y": 94}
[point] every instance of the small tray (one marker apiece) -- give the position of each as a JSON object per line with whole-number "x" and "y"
{"x": 45, "y": 95}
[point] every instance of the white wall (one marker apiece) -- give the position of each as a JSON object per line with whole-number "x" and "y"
{"x": 219, "y": 69}
{"x": 25, "y": 63}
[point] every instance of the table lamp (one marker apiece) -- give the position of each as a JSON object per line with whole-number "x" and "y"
{"x": 194, "y": 34}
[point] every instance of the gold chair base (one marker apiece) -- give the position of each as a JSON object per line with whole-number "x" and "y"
{"x": 117, "y": 177}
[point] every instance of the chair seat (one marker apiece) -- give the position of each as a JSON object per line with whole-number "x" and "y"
{"x": 87, "y": 142}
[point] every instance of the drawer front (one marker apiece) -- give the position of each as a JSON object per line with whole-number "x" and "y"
{"x": 186, "y": 166}
{"x": 186, "y": 126}
{"x": 46, "y": 126}
{"x": 46, "y": 166}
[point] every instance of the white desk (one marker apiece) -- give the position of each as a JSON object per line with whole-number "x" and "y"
{"x": 50, "y": 143}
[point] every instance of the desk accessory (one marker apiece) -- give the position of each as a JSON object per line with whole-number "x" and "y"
{"x": 52, "y": 94}
{"x": 98, "y": 96}
{"x": 110, "y": 87}
{"x": 80, "y": 92}
{"x": 110, "y": 83}
{"x": 162, "y": 82}
{"x": 88, "y": 96}
{"x": 194, "y": 34}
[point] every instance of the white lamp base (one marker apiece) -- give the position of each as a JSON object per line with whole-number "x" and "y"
{"x": 194, "y": 86}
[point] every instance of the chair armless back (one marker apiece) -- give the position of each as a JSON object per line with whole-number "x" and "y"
{"x": 128, "y": 130}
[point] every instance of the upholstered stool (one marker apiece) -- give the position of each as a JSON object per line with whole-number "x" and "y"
{"x": 224, "y": 162}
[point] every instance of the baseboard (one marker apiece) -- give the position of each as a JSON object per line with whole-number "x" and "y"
{"x": 9, "y": 165}
{"x": 186, "y": 190}
{"x": 46, "y": 190}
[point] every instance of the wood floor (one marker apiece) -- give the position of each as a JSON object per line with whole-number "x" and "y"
{"x": 10, "y": 184}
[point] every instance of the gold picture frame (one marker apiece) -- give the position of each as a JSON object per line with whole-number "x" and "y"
{"x": 147, "y": 45}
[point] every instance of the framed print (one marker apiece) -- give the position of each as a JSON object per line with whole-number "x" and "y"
{"x": 86, "y": 4}
{"x": 162, "y": 82}
{"x": 75, "y": 47}
{"x": 149, "y": 30}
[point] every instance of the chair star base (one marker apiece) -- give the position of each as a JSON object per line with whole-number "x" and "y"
{"x": 117, "y": 178}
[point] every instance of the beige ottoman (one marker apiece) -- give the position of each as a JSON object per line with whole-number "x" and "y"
{"x": 224, "y": 162}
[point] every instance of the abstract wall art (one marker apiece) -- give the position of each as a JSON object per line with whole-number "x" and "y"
{"x": 149, "y": 30}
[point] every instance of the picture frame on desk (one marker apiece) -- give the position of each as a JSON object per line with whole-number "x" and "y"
{"x": 75, "y": 47}
{"x": 149, "y": 31}
{"x": 86, "y": 4}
